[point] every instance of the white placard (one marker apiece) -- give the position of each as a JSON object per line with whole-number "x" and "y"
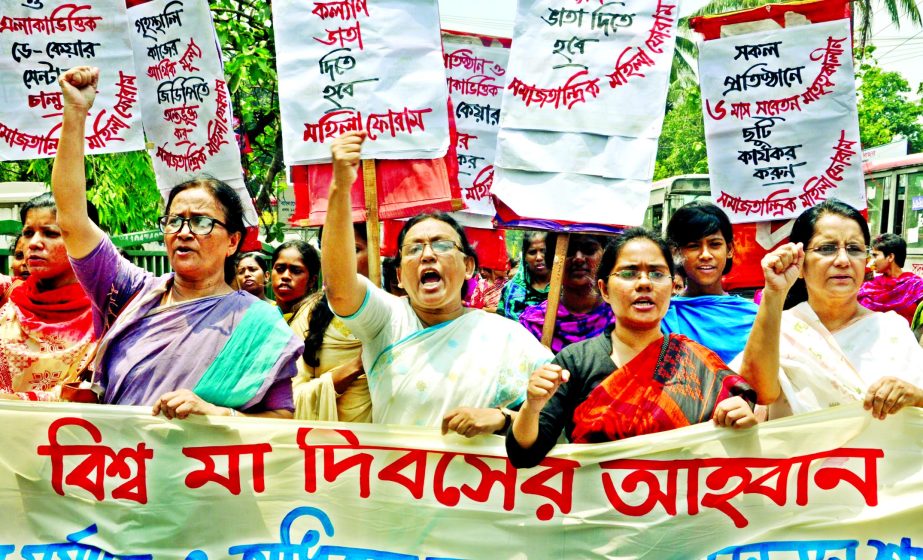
{"x": 569, "y": 197}
{"x": 42, "y": 39}
{"x": 780, "y": 121}
{"x": 354, "y": 64}
{"x": 185, "y": 100}
{"x": 477, "y": 115}
{"x": 613, "y": 157}
{"x": 595, "y": 67}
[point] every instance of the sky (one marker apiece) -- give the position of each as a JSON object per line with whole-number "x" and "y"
{"x": 899, "y": 48}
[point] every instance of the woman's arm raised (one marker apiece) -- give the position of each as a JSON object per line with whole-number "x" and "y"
{"x": 345, "y": 292}
{"x": 68, "y": 180}
{"x": 760, "y": 366}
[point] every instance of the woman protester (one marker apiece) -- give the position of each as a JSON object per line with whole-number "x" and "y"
{"x": 633, "y": 379}
{"x": 295, "y": 265}
{"x": 701, "y": 233}
{"x": 829, "y": 349}
{"x": 429, "y": 360}
{"x": 252, "y": 274}
{"x": 18, "y": 266}
{"x": 582, "y": 313}
{"x": 331, "y": 384}
{"x": 185, "y": 342}
{"x": 529, "y": 286}
{"x": 46, "y": 324}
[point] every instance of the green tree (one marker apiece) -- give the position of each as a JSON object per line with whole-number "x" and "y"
{"x": 244, "y": 28}
{"x": 682, "y": 142}
{"x": 885, "y": 110}
{"x": 122, "y": 186}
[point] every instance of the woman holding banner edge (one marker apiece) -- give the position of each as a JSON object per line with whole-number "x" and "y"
{"x": 185, "y": 343}
{"x": 632, "y": 379}
{"x": 429, "y": 360}
{"x": 829, "y": 349}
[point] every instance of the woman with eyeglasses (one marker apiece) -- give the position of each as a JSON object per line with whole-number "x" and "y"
{"x": 632, "y": 379}
{"x": 295, "y": 266}
{"x": 430, "y": 361}
{"x": 582, "y": 312}
{"x": 184, "y": 343}
{"x": 701, "y": 235}
{"x": 829, "y": 349}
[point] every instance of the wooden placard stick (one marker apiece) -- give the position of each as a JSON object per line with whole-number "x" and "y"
{"x": 554, "y": 288}
{"x": 372, "y": 224}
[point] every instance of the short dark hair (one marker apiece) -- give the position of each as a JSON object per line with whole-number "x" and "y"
{"x": 466, "y": 247}
{"x": 309, "y": 255}
{"x": 891, "y": 244}
{"x": 803, "y": 231}
{"x": 46, "y": 200}
{"x": 260, "y": 259}
{"x": 614, "y": 249}
{"x": 230, "y": 204}
{"x": 803, "y": 228}
{"x": 698, "y": 219}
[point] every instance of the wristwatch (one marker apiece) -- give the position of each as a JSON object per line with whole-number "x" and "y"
{"x": 507, "y": 420}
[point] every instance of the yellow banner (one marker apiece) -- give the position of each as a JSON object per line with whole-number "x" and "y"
{"x": 90, "y": 482}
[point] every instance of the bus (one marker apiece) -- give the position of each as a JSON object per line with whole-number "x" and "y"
{"x": 894, "y": 188}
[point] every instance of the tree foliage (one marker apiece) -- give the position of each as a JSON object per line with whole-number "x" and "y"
{"x": 682, "y": 141}
{"x": 122, "y": 186}
{"x": 885, "y": 110}
{"x": 244, "y": 28}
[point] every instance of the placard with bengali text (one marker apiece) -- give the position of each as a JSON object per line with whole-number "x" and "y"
{"x": 781, "y": 125}
{"x": 39, "y": 41}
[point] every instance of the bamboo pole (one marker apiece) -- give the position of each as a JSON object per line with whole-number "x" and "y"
{"x": 372, "y": 224}
{"x": 554, "y": 289}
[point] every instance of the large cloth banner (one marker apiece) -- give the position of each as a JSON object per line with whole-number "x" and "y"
{"x": 79, "y": 480}
{"x": 359, "y": 65}
{"x": 477, "y": 113}
{"x": 583, "y": 109}
{"x": 42, "y": 39}
{"x": 780, "y": 121}
{"x": 185, "y": 101}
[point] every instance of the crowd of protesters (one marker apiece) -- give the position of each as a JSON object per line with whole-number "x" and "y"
{"x": 645, "y": 339}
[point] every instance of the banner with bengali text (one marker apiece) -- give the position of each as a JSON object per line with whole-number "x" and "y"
{"x": 185, "y": 101}
{"x": 781, "y": 124}
{"x": 582, "y": 111}
{"x": 76, "y": 480}
{"x": 358, "y": 65}
{"x": 477, "y": 113}
{"x": 42, "y": 39}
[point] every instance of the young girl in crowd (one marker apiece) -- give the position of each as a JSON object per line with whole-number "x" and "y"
{"x": 582, "y": 313}
{"x": 295, "y": 266}
{"x": 331, "y": 384}
{"x": 252, "y": 274}
{"x": 529, "y": 286}
{"x": 701, "y": 234}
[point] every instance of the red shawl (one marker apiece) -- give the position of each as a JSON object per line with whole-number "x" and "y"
{"x": 672, "y": 383}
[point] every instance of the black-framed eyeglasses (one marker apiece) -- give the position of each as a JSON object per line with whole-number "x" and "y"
{"x": 199, "y": 225}
{"x": 439, "y": 247}
{"x": 633, "y": 275}
{"x": 854, "y": 251}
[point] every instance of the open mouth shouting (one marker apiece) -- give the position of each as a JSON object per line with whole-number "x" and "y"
{"x": 430, "y": 280}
